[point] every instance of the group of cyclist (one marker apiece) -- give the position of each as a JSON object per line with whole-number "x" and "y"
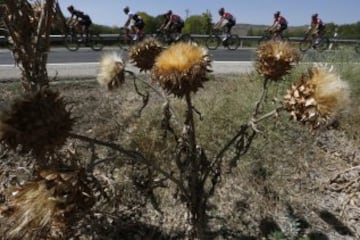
{"x": 316, "y": 27}
{"x": 174, "y": 24}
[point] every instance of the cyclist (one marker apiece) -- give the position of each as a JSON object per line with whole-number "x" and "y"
{"x": 279, "y": 25}
{"x": 83, "y": 19}
{"x": 316, "y": 28}
{"x": 226, "y": 22}
{"x": 173, "y": 24}
{"x": 134, "y": 23}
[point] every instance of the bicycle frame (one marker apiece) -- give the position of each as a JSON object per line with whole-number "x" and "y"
{"x": 166, "y": 36}
{"x": 310, "y": 39}
{"x": 216, "y": 37}
{"x": 272, "y": 35}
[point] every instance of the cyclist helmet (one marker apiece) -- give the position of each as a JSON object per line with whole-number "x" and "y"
{"x": 126, "y": 10}
{"x": 221, "y": 11}
{"x": 314, "y": 16}
{"x": 169, "y": 13}
{"x": 70, "y": 8}
{"x": 277, "y": 13}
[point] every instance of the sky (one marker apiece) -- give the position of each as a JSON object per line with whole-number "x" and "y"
{"x": 297, "y": 12}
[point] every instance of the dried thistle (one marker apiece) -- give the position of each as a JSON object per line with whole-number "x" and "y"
{"x": 47, "y": 207}
{"x": 317, "y": 97}
{"x": 275, "y": 59}
{"x": 111, "y": 71}
{"x": 144, "y": 53}
{"x": 39, "y": 122}
{"x": 181, "y": 69}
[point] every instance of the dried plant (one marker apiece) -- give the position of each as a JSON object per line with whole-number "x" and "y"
{"x": 37, "y": 122}
{"x": 111, "y": 71}
{"x": 47, "y": 207}
{"x": 181, "y": 69}
{"x": 29, "y": 27}
{"x": 317, "y": 98}
{"x": 275, "y": 59}
{"x": 143, "y": 54}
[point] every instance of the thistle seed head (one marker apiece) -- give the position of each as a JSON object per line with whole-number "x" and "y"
{"x": 275, "y": 59}
{"x": 317, "y": 98}
{"x": 181, "y": 69}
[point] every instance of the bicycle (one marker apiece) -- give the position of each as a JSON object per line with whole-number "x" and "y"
{"x": 217, "y": 37}
{"x": 73, "y": 39}
{"x": 272, "y": 35}
{"x": 7, "y": 42}
{"x": 126, "y": 40}
{"x": 320, "y": 44}
{"x": 167, "y": 38}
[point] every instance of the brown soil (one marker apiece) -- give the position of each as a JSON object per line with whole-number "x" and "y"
{"x": 290, "y": 181}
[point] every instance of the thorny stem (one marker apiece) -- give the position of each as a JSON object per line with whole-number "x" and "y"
{"x": 267, "y": 115}
{"x": 132, "y": 155}
{"x": 159, "y": 93}
{"x": 135, "y": 85}
{"x": 196, "y": 189}
{"x": 190, "y": 123}
{"x": 243, "y": 128}
{"x": 258, "y": 104}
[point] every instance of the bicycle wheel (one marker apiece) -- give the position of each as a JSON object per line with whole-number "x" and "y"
{"x": 323, "y": 44}
{"x": 213, "y": 42}
{"x": 96, "y": 42}
{"x": 71, "y": 42}
{"x": 123, "y": 42}
{"x": 162, "y": 38}
{"x": 233, "y": 42}
{"x": 285, "y": 39}
{"x": 263, "y": 39}
{"x": 8, "y": 42}
{"x": 305, "y": 44}
{"x": 186, "y": 38}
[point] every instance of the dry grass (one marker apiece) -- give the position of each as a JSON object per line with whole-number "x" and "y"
{"x": 282, "y": 181}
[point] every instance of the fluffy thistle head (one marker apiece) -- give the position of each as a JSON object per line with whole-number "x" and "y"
{"x": 275, "y": 59}
{"x": 111, "y": 71}
{"x": 144, "y": 53}
{"x": 317, "y": 98}
{"x": 47, "y": 207}
{"x": 181, "y": 69}
{"x": 38, "y": 122}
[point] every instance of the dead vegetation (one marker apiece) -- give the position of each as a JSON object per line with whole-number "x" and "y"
{"x": 145, "y": 161}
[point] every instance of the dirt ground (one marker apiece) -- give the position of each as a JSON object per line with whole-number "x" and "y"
{"x": 289, "y": 182}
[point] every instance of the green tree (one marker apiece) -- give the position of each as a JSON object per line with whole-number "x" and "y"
{"x": 150, "y": 22}
{"x": 199, "y": 24}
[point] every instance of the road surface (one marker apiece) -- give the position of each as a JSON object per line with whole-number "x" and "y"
{"x": 84, "y": 63}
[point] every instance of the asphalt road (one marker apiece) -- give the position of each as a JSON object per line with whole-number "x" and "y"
{"x": 63, "y": 64}
{"x": 86, "y": 55}
{"x": 83, "y": 63}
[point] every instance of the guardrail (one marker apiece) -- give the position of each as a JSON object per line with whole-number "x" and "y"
{"x": 113, "y": 38}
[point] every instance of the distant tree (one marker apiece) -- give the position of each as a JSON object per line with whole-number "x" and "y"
{"x": 200, "y": 24}
{"x": 349, "y": 30}
{"x": 150, "y": 22}
{"x": 250, "y": 32}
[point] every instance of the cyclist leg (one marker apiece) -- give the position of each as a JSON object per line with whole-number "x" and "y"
{"x": 283, "y": 27}
{"x": 87, "y": 31}
{"x": 140, "y": 30}
{"x": 178, "y": 30}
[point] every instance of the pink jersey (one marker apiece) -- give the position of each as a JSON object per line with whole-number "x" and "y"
{"x": 280, "y": 20}
{"x": 175, "y": 19}
{"x": 228, "y": 16}
{"x": 317, "y": 21}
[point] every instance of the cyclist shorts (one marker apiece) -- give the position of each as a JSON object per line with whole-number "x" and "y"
{"x": 140, "y": 24}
